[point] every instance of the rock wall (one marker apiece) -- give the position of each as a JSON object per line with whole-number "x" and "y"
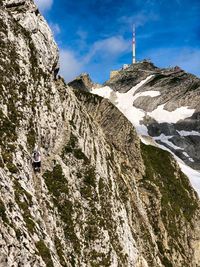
{"x": 101, "y": 198}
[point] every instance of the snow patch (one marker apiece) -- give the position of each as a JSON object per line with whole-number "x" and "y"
{"x": 186, "y": 154}
{"x": 161, "y": 115}
{"x": 133, "y": 114}
{"x": 193, "y": 175}
{"x": 187, "y": 133}
{"x": 103, "y": 91}
{"x": 147, "y": 93}
{"x": 124, "y": 102}
{"x": 165, "y": 139}
{"x": 132, "y": 91}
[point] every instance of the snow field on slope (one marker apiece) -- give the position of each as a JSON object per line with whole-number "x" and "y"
{"x": 146, "y": 93}
{"x": 187, "y": 133}
{"x": 165, "y": 139}
{"x": 161, "y": 115}
{"x": 124, "y": 102}
{"x": 193, "y": 175}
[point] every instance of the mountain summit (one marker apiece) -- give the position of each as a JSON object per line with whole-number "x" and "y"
{"x": 161, "y": 103}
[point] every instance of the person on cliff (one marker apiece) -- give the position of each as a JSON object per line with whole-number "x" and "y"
{"x": 56, "y": 69}
{"x": 36, "y": 161}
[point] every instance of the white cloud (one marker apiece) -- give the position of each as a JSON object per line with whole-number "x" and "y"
{"x": 82, "y": 38}
{"x": 82, "y": 34}
{"x": 44, "y": 5}
{"x": 55, "y": 28}
{"x": 70, "y": 66}
{"x": 106, "y": 49}
{"x": 139, "y": 19}
{"x": 109, "y": 47}
{"x": 187, "y": 58}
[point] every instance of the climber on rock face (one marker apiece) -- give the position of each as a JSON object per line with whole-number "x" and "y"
{"x": 56, "y": 70}
{"x": 36, "y": 161}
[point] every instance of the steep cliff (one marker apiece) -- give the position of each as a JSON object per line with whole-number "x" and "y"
{"x": 102, "y": 198}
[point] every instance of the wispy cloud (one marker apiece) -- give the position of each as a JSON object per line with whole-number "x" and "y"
{"x": 44, "y": 5}
{"x": 187, "y": 58}
{"x": 98, "y": 33}
{"x": 82, "y": 35}
{"x": 103, "y": 50}
{"x": 139, "y": 19}
{"x": 70, "y": 65}
{"x": 112, "y": 47}
{"x": 55, "y": 28}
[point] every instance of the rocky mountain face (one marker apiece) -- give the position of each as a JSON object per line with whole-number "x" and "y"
{"x": 102, "y": 198}
{"x": 131, "y": 76}
{"x": 83, "y": 82}
{"x": 166, "y": 104}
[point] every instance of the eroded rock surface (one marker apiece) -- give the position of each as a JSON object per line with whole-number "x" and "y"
{"x": 102, "y": 198}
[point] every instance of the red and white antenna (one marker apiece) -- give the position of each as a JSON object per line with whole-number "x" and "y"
{"x": 134, "y": 45}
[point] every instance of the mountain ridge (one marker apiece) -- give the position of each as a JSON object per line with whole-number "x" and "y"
{"x": 167, "y": 91}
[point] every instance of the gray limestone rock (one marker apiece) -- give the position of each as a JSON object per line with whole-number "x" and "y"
{"x": 82, "y": 82}
{"x": 102, "y": 198}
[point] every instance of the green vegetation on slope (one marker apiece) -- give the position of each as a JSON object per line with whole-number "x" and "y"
{"x": 60, "y": 252}
{"x": 3, "y": 212}
{"x": 58, "y": 186}
{"x": 174, "y": 186}
{"x": 72, "y": 147}
{"x": 44, "y": 253}
{"x": 24, "y": 201}
{"x": 178, "y": 203}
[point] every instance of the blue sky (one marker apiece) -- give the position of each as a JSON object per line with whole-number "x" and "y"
{"x": 94, "y": 36}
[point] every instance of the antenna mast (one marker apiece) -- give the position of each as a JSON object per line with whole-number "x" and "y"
{"x": 134, "y": 45}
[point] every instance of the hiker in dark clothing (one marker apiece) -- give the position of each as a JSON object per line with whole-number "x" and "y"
{"x": 56, "y": 69}
{"x": 36, "y": 161}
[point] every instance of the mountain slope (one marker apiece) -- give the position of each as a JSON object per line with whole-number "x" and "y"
{"x": 101, "y": 198}
{"x": 162, "y": 103}
{"x": 162, "y": 186}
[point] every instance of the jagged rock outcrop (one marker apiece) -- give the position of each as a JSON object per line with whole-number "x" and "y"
{"x": 102, "y": 198}
{"x": 131, "y": 76}
{"x": 28, "y": 16}
{"x": 82, "y": 82}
